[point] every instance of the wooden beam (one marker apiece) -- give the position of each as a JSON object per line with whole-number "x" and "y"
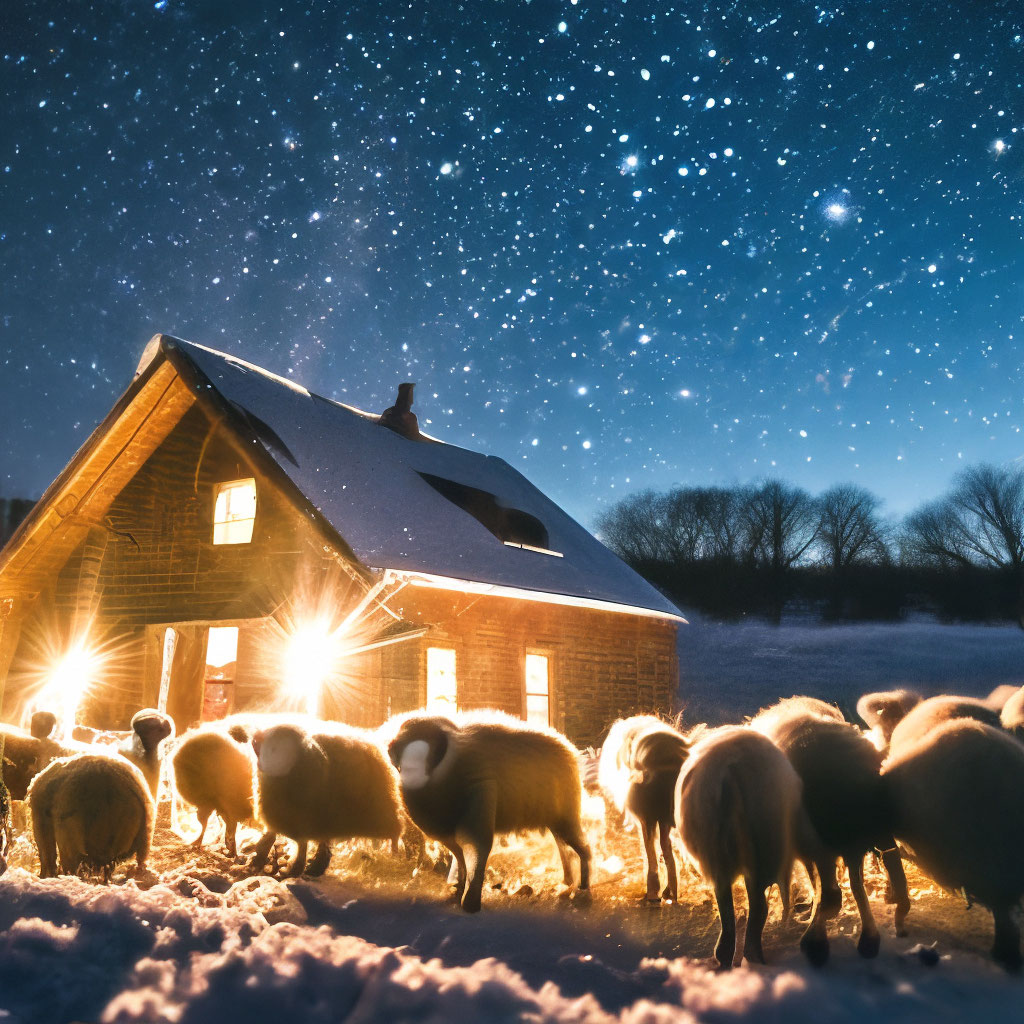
{"x": 82, "y": 494}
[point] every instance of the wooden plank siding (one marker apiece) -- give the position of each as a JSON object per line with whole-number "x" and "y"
{"x": 123, "y": 545}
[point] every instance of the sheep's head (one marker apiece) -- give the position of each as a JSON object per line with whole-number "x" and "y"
{"x": 281, "y": 748}
{"x": 151, "y": 727}
{"x": 884, "y": 711}
{"x": 42, "y": 724}
{"x": 418, "y": 748}
{"x": 240, "y": 734}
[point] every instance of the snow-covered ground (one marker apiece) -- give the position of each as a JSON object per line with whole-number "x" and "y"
{"x": 730, "y": 670}
{"x": 196, "y": 941}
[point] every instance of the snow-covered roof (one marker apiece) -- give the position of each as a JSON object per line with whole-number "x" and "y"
{"x": 369, "y": 484}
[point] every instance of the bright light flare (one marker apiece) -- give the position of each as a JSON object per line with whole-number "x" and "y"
{"x": 311, "y": 657}
{"x": 67, "y": 683}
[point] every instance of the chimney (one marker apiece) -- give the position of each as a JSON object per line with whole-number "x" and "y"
{"x": 399, "y": 417}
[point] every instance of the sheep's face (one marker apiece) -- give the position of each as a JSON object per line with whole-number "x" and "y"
{"x": 42, "y": 724}
{"x": 279, "y": 751}
{"x": 413, "y": 765}
{"x": 151, "y": 727}
{"x": 417, "y": 750}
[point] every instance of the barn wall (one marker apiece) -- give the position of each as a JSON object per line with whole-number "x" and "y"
{"x": 153, "y": 561}
{"x": 602, "y": 664}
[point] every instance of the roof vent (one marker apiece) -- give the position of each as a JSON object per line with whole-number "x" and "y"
{"x": 400, "y": 418}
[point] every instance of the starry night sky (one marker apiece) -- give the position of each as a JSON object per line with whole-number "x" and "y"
{"x": 619, "y": 244}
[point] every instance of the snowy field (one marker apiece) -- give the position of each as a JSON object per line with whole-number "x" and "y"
{"x": 728, "y": 671}
{"x": 196, "y": 941}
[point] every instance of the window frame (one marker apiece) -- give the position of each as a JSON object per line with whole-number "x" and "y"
{"x": 226, "y": 525}
{"x": 441, "y": 708}
{"x": 549, "y": 658}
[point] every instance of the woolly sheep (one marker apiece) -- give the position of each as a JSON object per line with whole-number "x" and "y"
{"x": 638, "y": 768}
{"x": 1011, "y": 715}
{"x": 955, "y": 799}
{"x": 215, "y": 770}
{"x": 997, "y": 699}
{"x": 740, "y": 813}
{"x": 881, "y": 712}
{"x": 924, "y": 717}
{"x": 26, "y": 753}
{"x": 483, "y": 775}
{"x": 840, "y": 768}
{"x": 335, "y": 783}
{"x": 790, "y": 706}
{"x": 144, "y": 747}
{"x": 94, "y": 810}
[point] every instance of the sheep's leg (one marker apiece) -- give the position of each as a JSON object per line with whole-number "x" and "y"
{"x": 230, "y": 840}
{"x": 757, "y": 914}
{"x": 321, "y": 859}
{"x": 869, "y": 942}
{"x": 46, "y": 844}
{"x": 459, "y": 863}
{"x": 671, "y": 890}
{"x": 204, "y": 818}
{"x": 814, "y": 941}
{"x": 572, "y": 833}
{"x": 647, "y": 829}
{"x": 898, "y": 891}
{"x": 822, "y": 873}
{"x": 725, "y": 948}
{"x": 263, "y": 848}
{"x": 563, "y": 856}
{"x": 478, "y": 833}
{"x": 1006, "y": 948}
{"x": 297, "y": 866}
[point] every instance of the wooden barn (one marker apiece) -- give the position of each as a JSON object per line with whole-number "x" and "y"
{"x": 226, "y": 540}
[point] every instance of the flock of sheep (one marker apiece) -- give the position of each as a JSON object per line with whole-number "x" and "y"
{"x": 937, "y": 779}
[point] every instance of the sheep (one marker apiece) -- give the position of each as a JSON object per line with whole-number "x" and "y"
{"x": 25, "y": 753}
{"x": 739, "y": 812}
{"x": 42, "y": 724}
{"x": 932, "y": 712}
{"x": 638, "y": 768}
{"x": 881, "y": 712}
{"x": 149, "y": 729}
{"x": 334, "y": 783}
{"x": 215, "y": 770}
{"x": 840, "y": 768}
{"x": 997, "y": 699}
{"x": 483, "y": 775}
{"x": 1011, "y": 715}
{"x": 955, "y": 802}
{"x": 95, "y": 810}
{"x": 790, "y": 706}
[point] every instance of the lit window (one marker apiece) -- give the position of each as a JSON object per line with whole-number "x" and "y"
{"x": 234, "y": 512}
{"x": 219, "y": 676}
{"x": 538, "y": 707}
{"x": 441, "y": 685}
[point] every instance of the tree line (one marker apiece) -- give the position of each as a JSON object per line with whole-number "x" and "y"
{"x": 759, "y": 548}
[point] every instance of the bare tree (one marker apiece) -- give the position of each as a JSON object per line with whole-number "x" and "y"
{"x": 979, "y": 522}
{"x": 635, "y": 528}
{"x": 849, "y": 527}
{"x": 781, "y": 524}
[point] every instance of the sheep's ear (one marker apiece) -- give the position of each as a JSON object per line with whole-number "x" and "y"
{"x": 239, "y": 733}
{"x": 151, "y": 727}
{"x": 395, "y": 751}
{"x": 42, "y": 724}
{"x": 438, "y": 748}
